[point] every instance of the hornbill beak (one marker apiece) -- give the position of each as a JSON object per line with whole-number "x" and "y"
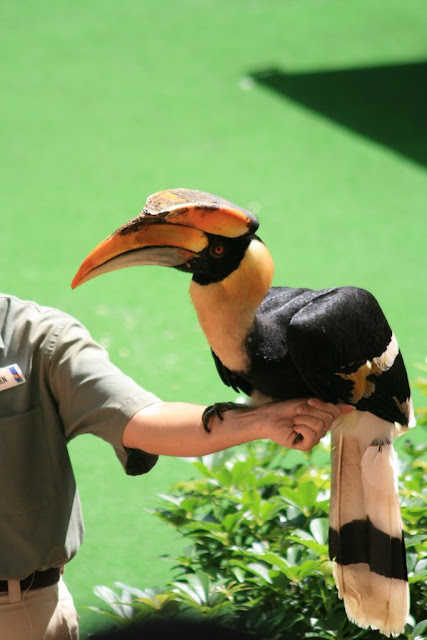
{"x": 172, "y": 230}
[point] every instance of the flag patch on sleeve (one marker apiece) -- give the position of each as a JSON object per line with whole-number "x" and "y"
{"x": 11, "y": 376}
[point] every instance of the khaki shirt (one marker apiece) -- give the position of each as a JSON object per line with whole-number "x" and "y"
{"x": 71, "y": 388}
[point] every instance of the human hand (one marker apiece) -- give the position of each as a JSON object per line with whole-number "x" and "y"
{"x": 300, "y": 423}
{"x": 176, "y": 428}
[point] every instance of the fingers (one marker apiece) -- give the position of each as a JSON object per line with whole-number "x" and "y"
{"x": 309, "y": 431}
{"x": 324, "y": 407}
{"x": 300, "y": 423}
{"x": 334, "y": 409}
{"x": 305, "y": 438}
{"x": 319, "y": 424}
{"x": 313, "y": 420}
{"x": 321, "y": 410}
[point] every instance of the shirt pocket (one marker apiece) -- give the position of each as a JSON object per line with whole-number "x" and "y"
{"x": 26, "y": 477}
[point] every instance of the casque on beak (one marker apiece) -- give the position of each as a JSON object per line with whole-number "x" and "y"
{"x": 171, "y": 230}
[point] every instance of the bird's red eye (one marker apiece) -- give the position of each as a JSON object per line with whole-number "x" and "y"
{"x": 217, "y": 250}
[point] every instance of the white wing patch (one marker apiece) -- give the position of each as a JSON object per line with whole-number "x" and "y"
{"x": 385, "y": 361}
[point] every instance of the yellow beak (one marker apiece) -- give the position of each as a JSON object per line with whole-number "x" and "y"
{"x": 171, "y": 230}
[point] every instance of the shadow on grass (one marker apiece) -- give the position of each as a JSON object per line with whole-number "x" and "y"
{"x": 387, "y": 103}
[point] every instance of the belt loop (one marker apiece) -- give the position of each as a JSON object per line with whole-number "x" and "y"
{"x": 14, "y": 590}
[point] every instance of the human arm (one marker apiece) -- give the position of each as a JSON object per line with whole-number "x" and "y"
{"x": 176, "y": 429}
{"x": 93, "y": 396}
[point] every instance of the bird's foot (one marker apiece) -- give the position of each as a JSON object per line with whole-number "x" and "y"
{"x": 380, "y": 443}
{"x": 218, "y": 409}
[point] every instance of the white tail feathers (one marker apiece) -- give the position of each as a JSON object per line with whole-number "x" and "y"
{"x": 366, "y": 538}
{"x": 379, "y": 482}
{"x": 372, "y": 600}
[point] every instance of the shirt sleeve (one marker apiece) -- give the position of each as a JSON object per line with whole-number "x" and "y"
{"x": 93, "y": 395}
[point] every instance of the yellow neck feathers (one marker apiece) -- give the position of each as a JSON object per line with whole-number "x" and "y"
{"x": 226, "y": 309}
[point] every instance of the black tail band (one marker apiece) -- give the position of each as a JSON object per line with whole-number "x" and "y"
{"x": 359, "y": 541}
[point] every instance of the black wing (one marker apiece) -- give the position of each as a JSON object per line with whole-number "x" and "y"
{"x": 231, "y": 378}
{"x": 345, "y": 351}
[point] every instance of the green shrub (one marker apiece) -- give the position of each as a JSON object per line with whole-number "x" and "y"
{"x": 256, "y": 519}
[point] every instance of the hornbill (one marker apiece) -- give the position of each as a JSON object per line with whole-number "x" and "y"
{"x": 278, "y": 343}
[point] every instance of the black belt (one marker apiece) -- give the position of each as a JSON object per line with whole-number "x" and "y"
{"x": 36, "y": 580}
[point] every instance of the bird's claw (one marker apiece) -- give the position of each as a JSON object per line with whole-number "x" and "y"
{"x": 218, "y": 409}
{"x": 298, "y": 438}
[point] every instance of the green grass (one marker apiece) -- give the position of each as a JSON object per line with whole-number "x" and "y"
{"x": 105, "y": 103}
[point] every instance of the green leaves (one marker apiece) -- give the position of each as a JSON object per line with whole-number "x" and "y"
{"x": 303, "y": 496}
{"x": 420, "y": 631}
{"x": 257, "y": 519}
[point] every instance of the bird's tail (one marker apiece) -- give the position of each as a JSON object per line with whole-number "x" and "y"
{"x": 365, "y": 536}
